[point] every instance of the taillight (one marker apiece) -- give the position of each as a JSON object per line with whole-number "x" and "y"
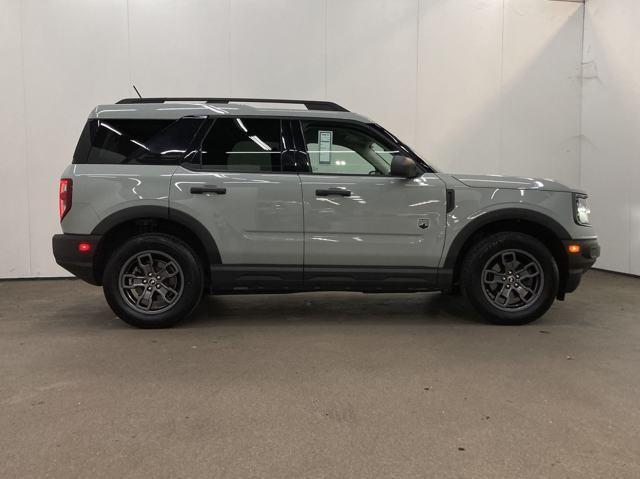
{"x": 65, "y": 195}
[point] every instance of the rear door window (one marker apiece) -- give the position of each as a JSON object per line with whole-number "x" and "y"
{"x": 243, "y": 145}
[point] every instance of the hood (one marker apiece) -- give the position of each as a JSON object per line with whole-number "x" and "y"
{"x": 511, "y": 182}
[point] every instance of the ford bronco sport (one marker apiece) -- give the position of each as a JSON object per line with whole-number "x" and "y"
{"x": 170, "y": 198}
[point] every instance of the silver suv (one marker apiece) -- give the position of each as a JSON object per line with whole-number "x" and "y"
{"x": 170, "y": 198}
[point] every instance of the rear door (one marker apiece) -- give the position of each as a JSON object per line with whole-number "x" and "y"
{"x": 362, "y": 225}
{"x": 243, "y": 189}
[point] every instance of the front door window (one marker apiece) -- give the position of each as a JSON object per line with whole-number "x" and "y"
{"x": 337, "y": 149}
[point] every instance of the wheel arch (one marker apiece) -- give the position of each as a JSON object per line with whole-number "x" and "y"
{"x": 129, "y": 222}
{"x": 542, "y": 227}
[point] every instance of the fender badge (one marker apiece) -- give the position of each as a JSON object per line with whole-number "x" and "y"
{"x": 423, "y": 223}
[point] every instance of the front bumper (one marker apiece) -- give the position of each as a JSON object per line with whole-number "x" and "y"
{"x": 579, "y": 263}
{"x": 79, "y": 263}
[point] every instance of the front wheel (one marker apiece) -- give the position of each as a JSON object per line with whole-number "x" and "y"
{"x": 153, "y": 281}
{"x": 510, "y": 278}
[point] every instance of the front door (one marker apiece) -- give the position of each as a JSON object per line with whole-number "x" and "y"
{"x": 360, "y": 224}
{"x": 249, "y": 200}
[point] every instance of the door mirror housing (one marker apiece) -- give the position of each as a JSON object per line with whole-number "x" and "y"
{"x": 404, "y": 167}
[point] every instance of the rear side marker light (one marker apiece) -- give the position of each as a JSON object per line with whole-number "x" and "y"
{"x": 84, "y": 247}
{"x": 573, "y": 248}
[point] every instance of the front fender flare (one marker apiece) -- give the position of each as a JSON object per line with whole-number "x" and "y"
{"x": 506, "y": 214}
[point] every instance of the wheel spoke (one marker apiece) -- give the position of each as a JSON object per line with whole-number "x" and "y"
{"x": 522, "y": 291}
{"x": 169, "y": 270}
{"x": 529, "y": 271}
{"x": 508, "y": 260}
{"x": 148, "y": 266}
{"x": 147, "y": 295}
{"x": 164, "y": 290}
{"x": 133, "y": 276}
{"x": 132, "y": 281}
{"x": 490, "y": 276}
{"x": 503, "y": 293}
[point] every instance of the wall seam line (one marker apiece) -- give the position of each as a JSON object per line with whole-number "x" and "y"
{"x": 581, "y": 93}
{"x": 501, "y": 103}
{"x": 129, "y": 63}
{"x": 326, "y": 53}
{"x": 229, "y": 55}
{"x": 417, "y": 79}
{"x": 26, "y": 142}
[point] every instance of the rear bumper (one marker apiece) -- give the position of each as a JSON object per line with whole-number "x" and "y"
{"x": 80, "y": 264}
{"x": 580, "y": 263}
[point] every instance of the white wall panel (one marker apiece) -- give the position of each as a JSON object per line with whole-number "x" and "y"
{"x": 75, "y": 57}
{"x": 179, "y": 48}
{"x": 458, "y": 120}
{"x": 371, "y": 60}
{"x": 542, "y": 53}
{"x": 611, "y": 126}
{"x": 477, "y": 85}
{"x": 14, "y": 198}
{"x": 278, "y": 48}
{"x": 634, "y": 191}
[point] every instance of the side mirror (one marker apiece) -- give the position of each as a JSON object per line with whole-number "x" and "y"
{"x": 403, "y": 166}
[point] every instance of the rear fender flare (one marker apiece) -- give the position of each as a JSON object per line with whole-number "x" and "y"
{"x": 183, "y": 219}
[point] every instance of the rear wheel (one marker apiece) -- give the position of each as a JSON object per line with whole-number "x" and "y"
{"x": 153, "y": 281}
{"x": 510, "y": 278}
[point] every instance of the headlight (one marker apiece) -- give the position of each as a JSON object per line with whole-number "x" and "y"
{"x": 581, "y": 210}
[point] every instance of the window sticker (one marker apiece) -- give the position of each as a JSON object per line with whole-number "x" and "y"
{"x": 325, "y": 140}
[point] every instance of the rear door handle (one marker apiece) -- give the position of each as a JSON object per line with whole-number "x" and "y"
{"x": 333, "y": 191}
{"x": 199, "y": 190}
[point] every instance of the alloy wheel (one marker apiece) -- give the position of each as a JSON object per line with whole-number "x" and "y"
{"x": 512, "y": 280}
{"x": 151, "y": 282}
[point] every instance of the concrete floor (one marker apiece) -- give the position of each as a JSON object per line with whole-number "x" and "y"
{"x": 319, "y": 385}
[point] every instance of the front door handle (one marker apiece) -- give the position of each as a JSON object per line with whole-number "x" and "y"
{"x": 333, "y": 191}
{"x": 199, "y": 190}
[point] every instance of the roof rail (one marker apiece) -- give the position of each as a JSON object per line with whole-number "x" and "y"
{"x": 310, "y": 105}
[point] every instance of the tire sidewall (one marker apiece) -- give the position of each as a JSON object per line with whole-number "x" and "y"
{"x": 192, "y": 277}
{"x": 472, "y": 277}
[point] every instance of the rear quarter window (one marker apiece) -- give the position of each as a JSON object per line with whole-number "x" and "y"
{"x": 149, "y": 142}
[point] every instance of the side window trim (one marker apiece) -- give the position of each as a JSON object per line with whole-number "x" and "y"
{"x": 289, "y": 159}
{"x": 180, "y": 158}
{"x": 302, "y": 157}
{"x": 194, "y": 147}
{"x": 197, "y": 146}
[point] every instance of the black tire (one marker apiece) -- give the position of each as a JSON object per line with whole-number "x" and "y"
{"x": 500, "y": 296}
{"x": 178, "y": 294}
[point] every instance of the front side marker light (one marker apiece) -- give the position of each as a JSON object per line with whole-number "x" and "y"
{"x": 573, "y": 248}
